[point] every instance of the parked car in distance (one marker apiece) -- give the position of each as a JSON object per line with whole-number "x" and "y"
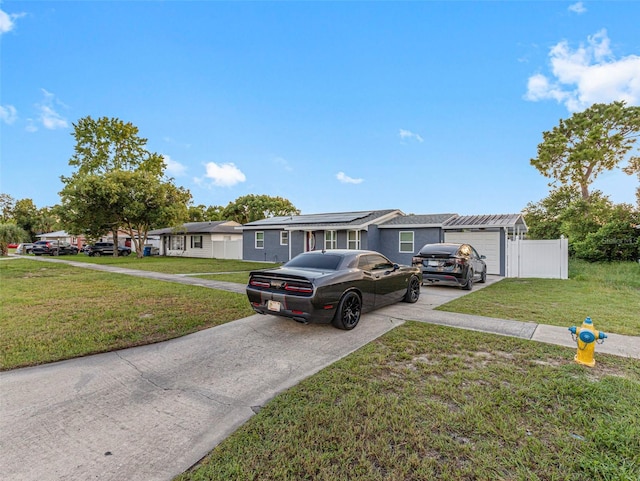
{"x": 334, "y": 286}
{"x": 105, "y": 249}
{"x": 451, "y": 264}
{"x": 24, "y": 248}
{"x": 12, "y": 245}
{"x": 53, "y": 248}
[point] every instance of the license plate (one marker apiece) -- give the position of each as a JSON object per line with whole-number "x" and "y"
{"x": 434, "y": 263}
{"x": 273, "y": 306}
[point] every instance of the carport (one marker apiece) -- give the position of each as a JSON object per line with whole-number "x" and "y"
{"x": 488, "y": 234}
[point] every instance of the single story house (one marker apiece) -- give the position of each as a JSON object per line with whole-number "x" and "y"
{"x": 62, "y": 236}
{"x": 215, "y": 239}
{"x": 391, "y": 232}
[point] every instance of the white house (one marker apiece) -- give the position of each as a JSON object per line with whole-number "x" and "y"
{"x": 212, "y": 240}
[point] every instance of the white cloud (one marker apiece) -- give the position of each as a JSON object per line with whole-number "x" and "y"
{"x": 586, "y": 75}
{"x": 174, "y": 169}
{"x": 8, "y": 114}
{"x": 345, "y": 179}
{"x": 578, "y": 8}
{"x": 223, "y": 175}
{"x": 49, "y": 117}
{"x": 7, "y": 21}
{"x": 407, "y": 134}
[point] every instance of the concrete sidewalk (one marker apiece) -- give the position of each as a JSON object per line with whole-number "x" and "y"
{"x": 151, "y": 412}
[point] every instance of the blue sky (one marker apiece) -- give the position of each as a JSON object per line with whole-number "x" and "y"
{"x": 427, "y": 107}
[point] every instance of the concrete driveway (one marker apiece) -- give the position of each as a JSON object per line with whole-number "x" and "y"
{"x": 151, "y": 412}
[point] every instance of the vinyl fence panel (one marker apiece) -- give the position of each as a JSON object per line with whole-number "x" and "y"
{"x": 538, "y": 258}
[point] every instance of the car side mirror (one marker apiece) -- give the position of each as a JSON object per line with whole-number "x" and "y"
{"x": 395, "y": 268}
{"x": 483, "y": 257}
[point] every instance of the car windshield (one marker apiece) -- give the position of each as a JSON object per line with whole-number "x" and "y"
{"x": 315, "y": 261}
{"x": 439, "y": 249}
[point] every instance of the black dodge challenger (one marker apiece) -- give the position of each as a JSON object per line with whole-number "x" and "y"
{"x": 336, "y": 285}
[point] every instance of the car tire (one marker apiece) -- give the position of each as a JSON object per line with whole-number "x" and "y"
{"x": 349, "y": 311}
{"x": 97, "y": 254}
{"x": 413, "y": 291}
{"x": 483, "y": 276}
{"x": 469, "y": 284}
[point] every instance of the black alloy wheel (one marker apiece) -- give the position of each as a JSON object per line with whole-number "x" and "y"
{"x": 413, "y": 291}
{"x": 349, "y": 311}
{"x": 469, "y": 284}
{"x": 483, "y": 276}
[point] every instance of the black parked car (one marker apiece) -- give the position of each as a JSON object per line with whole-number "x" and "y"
{"x": 451, "y": 264}
{"x": 105, "y": 249}
{"x": 332, "y": 286}
{"x": 53, "y": 248}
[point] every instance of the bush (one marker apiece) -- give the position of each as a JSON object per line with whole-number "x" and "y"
{"x": 614, "y": 241}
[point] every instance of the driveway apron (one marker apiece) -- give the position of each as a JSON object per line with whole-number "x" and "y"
{"x": 149, "y": 413}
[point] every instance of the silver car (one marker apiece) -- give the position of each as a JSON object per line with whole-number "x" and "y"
{"x": 24, "y": 248}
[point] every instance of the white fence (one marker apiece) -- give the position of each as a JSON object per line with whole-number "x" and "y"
{"x": 227, "y": 249}
{"x": 538, "y": 258}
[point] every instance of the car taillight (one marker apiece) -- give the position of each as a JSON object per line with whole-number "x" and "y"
{"x": 256, "y": 283}
{"x": 300, "y": 289}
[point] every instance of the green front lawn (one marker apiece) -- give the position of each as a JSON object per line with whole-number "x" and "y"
{"x": 52, "y": 311}
{"x": 427, "y": 402}
{"x": 609, "y": 293}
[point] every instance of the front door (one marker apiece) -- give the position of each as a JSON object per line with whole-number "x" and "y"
{"x": 309, "y": 241}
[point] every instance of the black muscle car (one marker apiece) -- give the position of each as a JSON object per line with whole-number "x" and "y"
{"x": 332, "y": 286}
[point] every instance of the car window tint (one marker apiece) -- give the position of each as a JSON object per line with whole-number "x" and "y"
{"x": 379, "y": 262}
{"x": 364, "y": 264}
{"x": 316, "y": 261}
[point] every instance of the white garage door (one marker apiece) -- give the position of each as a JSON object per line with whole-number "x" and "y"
{"x": 486, "y": 243}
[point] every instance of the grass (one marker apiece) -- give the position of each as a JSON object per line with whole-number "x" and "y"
{"x": 173, "y": 265}
{"x": 430, "y": 402}
{"x": 421, "y": 402}
{"x": 53, "y": 311}
{"x": 609, "y": 293}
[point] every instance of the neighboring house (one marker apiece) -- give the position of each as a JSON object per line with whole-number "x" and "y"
{"x": 391, "y": 232}
{"x": 215, "y": 239}
{"x": 63, "y": 237}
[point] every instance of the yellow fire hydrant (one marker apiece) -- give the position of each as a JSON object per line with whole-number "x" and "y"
{"x": 587, "y": 337}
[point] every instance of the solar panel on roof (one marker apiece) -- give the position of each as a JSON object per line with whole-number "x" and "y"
{"x": 315, "y": 218}
{"x": 323, "y": 218}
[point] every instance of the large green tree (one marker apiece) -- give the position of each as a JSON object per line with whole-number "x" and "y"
{"x": 249, "y": 208}
{"x": 25, "y": 215}
{"x": 118, "y": 184}
{"x": 598, "y": 139}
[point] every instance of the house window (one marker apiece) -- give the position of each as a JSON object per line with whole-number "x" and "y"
{"x": 353, "y": 239}
{"x": 259, "y": 240}
{"x": 196, "y": 242}
{"x": 176, "y": 243}
{"x": 330, "y": 239}
{"x": 284, "y": 238}
{"x": 406, "y": 241}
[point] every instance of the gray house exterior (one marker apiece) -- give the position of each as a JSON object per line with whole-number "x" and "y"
{"x": 390, "y": 232}
{"x": 279, "y": 239}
